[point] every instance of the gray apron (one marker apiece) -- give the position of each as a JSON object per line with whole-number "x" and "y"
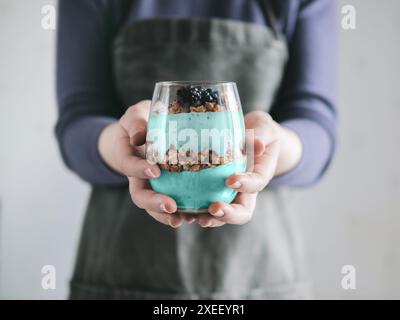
{"x": 124, "y": 253}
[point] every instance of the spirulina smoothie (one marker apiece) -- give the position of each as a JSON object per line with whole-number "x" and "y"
{"x": 198, "y": 148}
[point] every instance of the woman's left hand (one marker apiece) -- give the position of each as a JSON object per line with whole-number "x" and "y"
{"x": 276, "y": 151}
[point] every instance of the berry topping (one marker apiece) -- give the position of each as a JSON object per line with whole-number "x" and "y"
{"x": 195, "y": 95}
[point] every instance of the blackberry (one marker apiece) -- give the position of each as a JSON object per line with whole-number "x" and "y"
{"x": 183, "y": 96}
{"x": 194, "y": 96}
{"x": 215, "y": 96}
{"x": 208, "y": 95}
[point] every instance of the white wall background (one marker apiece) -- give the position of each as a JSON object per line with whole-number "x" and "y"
{"x": 41, "y": 202}
{"x": 352, "y": 217}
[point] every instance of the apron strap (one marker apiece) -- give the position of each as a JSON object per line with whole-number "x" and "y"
{"x": 269, "y": 14}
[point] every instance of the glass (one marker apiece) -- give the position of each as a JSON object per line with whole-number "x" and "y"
{"x": 196, "y": 135}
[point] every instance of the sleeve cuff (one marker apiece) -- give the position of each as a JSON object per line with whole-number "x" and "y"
{"x": 81, "y": 143}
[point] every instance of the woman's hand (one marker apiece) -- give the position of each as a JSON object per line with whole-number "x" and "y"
{"x": 121, "y": 145}
{"x": 276, "y": 151}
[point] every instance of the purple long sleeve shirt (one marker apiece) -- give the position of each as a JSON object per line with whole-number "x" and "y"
{"x": 306, "y": 102}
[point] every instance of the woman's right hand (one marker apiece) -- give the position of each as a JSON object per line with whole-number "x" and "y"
{"x": 122, "y": 146}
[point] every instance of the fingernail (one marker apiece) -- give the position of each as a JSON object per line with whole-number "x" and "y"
{"x": 163, "y": 208}
{"x": 190, "y": 221}
{"x": 149, "y": 173}
{"x": 201, "y": 224}
{"x": 218, "y": 214}
{"x": 175, "y": 225}
{"x": 206, "y": 225}
{"x": 235, "y": 185}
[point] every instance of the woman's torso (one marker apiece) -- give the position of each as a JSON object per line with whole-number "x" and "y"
{"x": 124, "y": 253}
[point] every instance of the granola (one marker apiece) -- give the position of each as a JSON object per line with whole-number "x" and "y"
{"x": 186, "y": 160}
{"x": 176, "y": 107}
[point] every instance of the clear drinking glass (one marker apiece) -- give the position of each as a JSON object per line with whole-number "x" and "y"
{"x": 196, "y": 135}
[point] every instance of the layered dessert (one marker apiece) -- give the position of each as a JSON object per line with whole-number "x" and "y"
{"x": 197, "y": 141}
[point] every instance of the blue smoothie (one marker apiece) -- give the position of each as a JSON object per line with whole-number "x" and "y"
{"x": 198, "y": 189}
{"x": 194, "y": 190}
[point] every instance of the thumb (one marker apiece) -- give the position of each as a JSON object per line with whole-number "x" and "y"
{"x": 259, "y": 146}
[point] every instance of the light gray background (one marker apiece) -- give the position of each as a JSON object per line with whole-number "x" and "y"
{"x": 352, "y": 217}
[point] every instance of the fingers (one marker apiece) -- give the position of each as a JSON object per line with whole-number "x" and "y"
{"x": 263, "y": 171}
{"x": 189, "y": 218}
{"x": 174, "y": 220}
{"x": 209, "y": 221}
{"x": 132, "y": 134}
{"x": 204, "y": 220}
{"x": 146, "y": 198}
{"x": 264, "y": 127}
{"x": 161, "y": 207}
{"x": 259, "y": 146}
{"x": 238, "y": 212}
{"x": 262, "y": 167}
{"x": 128, "y": 160}
{"x": 134, "y": 121}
